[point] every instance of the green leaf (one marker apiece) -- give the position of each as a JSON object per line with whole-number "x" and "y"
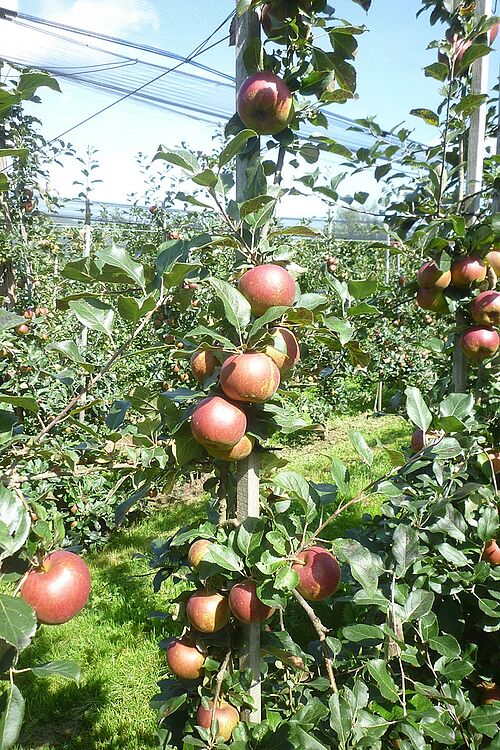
{"x": 340, "y": 475}
{"x": 388, "y": 688}
{"x": 417, "y": 409}
{"x": 362, "y": 308}
{"x": 357, "y": 633}
{"x": 11, "y": 715}
{"x": 342, "y": 328}
{"x": 286, "y": 579}
{"x": 186, "y": 448}
{"x": 438, "y": 730}
{"x": 405, "y": 548}
{"x": 30, "y": 82}
{"x": 9, "y": 320}
{"x": 249, "y": 535}
{"x": 17, "y": 621}
{"x": 14, "y": 523}
{"x": 116, "y": 415}
{"x": 180, "y": 158}
{"x": 418, "y": 604}
{"x": 297, "y": 231}
{"x": 340, "y": 718}
{"x": 363, "y": 288}
{"x": 271, "y": 314}
{"x": 236, "y": 307}
{"x": 235, "y": 146}
{"x": 133, "y": 309}
{"x": 366, "y": 567}
{"x": 445, "y": 645}
{"x": 206, "y": 178}
{"x": 488, "y": 524}
{"x": 70, "y": 350}
{"x": 472, "y": 54}
{"x": 452, "y": 555}
{"x": 67, "y": 669}
{"x": 20, "y": 153}
{"x": 437, "y": 70}
{"x": 430, "y": 117}
{"x": 224, "y": 558}
{"x": 459, "y": 405}
{"x": 253, "y": 205}
{"x": 29, "y": 403}
{"x": 94, "y": 314}
{"x": 486, "y": 720}
{"x": 117, "y": 257}
{"x": 469, "y": 103}
{"x": 361, "y": 446}
{"x": 296, "y": 487}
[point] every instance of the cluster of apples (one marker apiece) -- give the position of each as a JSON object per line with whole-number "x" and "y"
{"x": 481, "y": 341}
{"x": 209, "y": 611}
{"x": 219, "y": 422}
{"x": 23, "y": 328}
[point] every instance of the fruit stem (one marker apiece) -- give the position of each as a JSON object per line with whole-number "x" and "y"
{"x": 218, "y": 687}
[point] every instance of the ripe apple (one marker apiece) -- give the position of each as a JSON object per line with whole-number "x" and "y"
{"x": 494, "y": 457}
{"x": 430, "y": 299}
{"x": 430, "y": 276}
{"x": 184, "y": 659}
{"x": 59, "y": 588}
{"x": 319, "y": 573}
{"x": 197, "y": 552}
{"x": 420, "y": 440}
{"x": 479, "y": 343}
{"x": 251, "y": 377}
{"x": 29, "y": 314}
{"x": 490, "y": 695}
{"x": 485, "y": 308}
{"x": 493, "y": 259}
{"x": 22, "y": 330}
{"x": 267, "y": 286}
{"x": 467, "y": 271}
{"x": 208, "y": 611}
{"x": 227, "y": 718}
{"x": 203, "y": 364}
{"x": 218, "y": 423}
{"x": 238, "y": 452}
{"x": 246, "y": 605}
{"x": 492, "y": 552}
{"x": 284, "y": 351}
{"x": 42, "y": 310}
{"x": 265, "y": 103}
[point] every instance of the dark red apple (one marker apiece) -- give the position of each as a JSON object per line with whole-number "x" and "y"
{"x": 184, "y": 659}
{"x": 267, "y": 286}
{"x": 467, "y": 271}
{"x": 485, "y": 308}
{"x": 203, "y": 364}
{"x": 246, "y": 605}
{"x": 265, "y": 103}
{"x": 319, "y": 574}
{"x": 251, "y": 377}
{"x": 227, "y": 718}
{"x": 284, "y": 351}
{"x": 59, "y": 588}
{"x": 218, "y": 423}
{"x": 208, "y": 611}
{"x": 420, "y": 440}
{"x": 494, "y": 457}
{"x": 492, "y": 552}
{"x": 493, "y": 259}
{"x": 430, "y": 276}
{"x": 238, "y": 452}
{"x": 479, "y": 343}
{"x": 430, "y": 299}
{"x": 197, "y": 552}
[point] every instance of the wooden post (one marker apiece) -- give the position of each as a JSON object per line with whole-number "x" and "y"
{"x": 496, "y": 197}
{"x": 247, "y": 490}
{"x": 474, "y": 178}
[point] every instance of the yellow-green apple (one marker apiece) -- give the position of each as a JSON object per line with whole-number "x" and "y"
{"x": 203, "y": 364}
{"x": 197, "y": 552}
{"x": 251, "y": 377}
{"x": 493, "y": 259}
{"x": 284, "y": 351}
{"x": 491, "y": 552}
{"x": 238, "y": 452}
{"x": 432, "y": 299}
{"x": 430, "y": 276}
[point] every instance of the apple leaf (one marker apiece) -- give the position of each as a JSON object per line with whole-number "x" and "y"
{"x": 70, "y": 350}
{"x": 14, "y": 523}
{"x": 94, "y": 314}
{"x": 9, "y": 320}
{"x": 235, "y": 146}
{"x": 17, "y": 621}
{"x": 67, "y": 669}
{"x": 236, "y": 307}
{"x": 117, "y": 257}
{"x": 11, "y": 714}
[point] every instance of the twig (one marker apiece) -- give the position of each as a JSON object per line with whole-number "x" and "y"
{"x": 322, "y": 632}
{"x": 218, "y": 687}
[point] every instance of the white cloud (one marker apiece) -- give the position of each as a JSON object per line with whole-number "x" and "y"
{"x": 106, "y": 16}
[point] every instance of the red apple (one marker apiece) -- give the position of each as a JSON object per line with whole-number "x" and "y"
{"x": 184, "y": 659}
{"x": 284, "y": 351}
{"x": 227, "y": 718}
{"x": 197, "y": 552}
{"x": 22, "y": 330}
{"x": 467, "y": 271}
{"x": 238, "y": 452}
{"x": 203, "y": 364}
{"x": 265, "y": 103}
{"x": 493, "y": 259}
{"x": 494, "y": 457}
{"x": 246, "y": 605}
{"x": 208, "y": 611}
{"x": 420, "y": 440}
{"x": 218, "y": 423}
{"x": 430, "y": 299}
{"x": 59, "y": 588}
{"x": 267, "y": 286}
{"x": 479, "y": 343}
{"x": 492, "y": 552}
{"x": 251, "y": 377}
{"x": 153, "y": 209}
{"x": 485, "y": 308}
{"x": 430, "y": 276}
{"x": 319, "y": 574}
{"x": 490, "y": 695}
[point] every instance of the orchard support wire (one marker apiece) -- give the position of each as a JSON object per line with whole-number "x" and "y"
{"x": 247, "y": 490}
{"x": 474, "y": 178}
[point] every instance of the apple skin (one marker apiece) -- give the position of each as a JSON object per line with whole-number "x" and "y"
{"x": 251, "y": 377}
{"x": 419, "y": 440}
{"x": 226, "y": 716}
{"x": 434, "y": 300}
{"x": 429, "y": 276}
{"x": 485, "y": 308}
{"x": 467, "y": 271}
{"x": 288, "y": 354}
{"x": 184, "y": 659}
{"x": 203, "y": 364}
{"x": 265, "y": 103}
{"x": 197, "y": 552}
{"x": 59, "y": 588}
{"x": 246, "y": 605}
{"x": 22, "y": 330}
{"x": 492, "y": 552}
{"x": 494, "y": 457}
{"x": 493, "y": 259}
{"x": 218, "y": 423}
{"x": 268, "y": 286}
{"x": 479, "y": 343}
{"x": 238, "y": 452}
{"x": 490, "y": 694}
{"x": 319, "y": 574}
{"x": 208, "y": 611}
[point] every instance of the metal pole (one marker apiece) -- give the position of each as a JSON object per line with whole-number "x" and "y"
{"x": 247, "y": 489}
{"x": 87, "y": 237}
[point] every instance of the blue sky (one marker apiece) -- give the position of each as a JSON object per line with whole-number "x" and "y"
{"x": 390, "y": 61}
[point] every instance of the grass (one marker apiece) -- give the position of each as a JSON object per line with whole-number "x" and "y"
{"x": 116, "y": 644}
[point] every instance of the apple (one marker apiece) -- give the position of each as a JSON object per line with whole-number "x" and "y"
{"x": 153, "y": 209}
{"x": 430, "y": 276}
{"x": 267, "y": 286}
{"x": 203, "y": 364}
{"x": 491, "y": 552}
{"x": 319, "y": 573}
{"x": 218, "y": 423}
{"x": 238, "y": 452}
{"x": 29, "y": 314}
{"x": 184, "y": 659}
{"x": 490, "y": 694}
{"x": 430, "y": 299}
{"x": 197, "y": 552}
{"x": 494, "y": 457}
{"x": 59, "y": 588}
{"x": 42, "y": 310}
{"x": 420, "y": 440}
{"x": 493, "y": 259}
{"x": 251, "y": 377}
{"x": 208, "y": 611}
{"x": 485, "y": 308}
{"x": 22, "y": 330}
{"x": 467, "y": 271}
{"x": 284, "y": 351}
{"x": 246, "y": 605}
{"x": 265, "y": 103}
{"x": 479, "y": 343}
{"x": 227, "y": 718}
